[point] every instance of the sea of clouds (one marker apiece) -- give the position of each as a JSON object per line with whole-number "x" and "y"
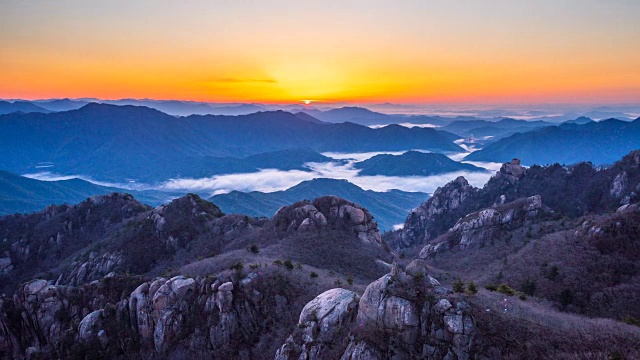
{"x": 269, "y": 180}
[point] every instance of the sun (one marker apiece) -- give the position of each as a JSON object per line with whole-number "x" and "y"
{"x": 307, "y": 102}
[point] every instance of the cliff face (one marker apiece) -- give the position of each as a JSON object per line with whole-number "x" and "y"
{"x": 403, "y": 315}
{"x": 422, "y": 223}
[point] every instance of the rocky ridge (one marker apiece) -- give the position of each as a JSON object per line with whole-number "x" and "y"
{"x": 571, "y": 191}
{"x": 479, "y": 228}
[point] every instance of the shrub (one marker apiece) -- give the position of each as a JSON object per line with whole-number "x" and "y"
{"x": 237, "y": 266}
{"x": 566, "y": 297}
{"x": 313, "y": 274}
{"x": 631, "y": 320}
{"x": 472, "y": 288}
{"x": 350, "y": 280}
{"x": 529, "y": 287}
{"x": 254, "y": 249}
{"x": 458, "y": 286}
{"x": 491, "y": 287}
{"x": 288, "y": 265}
{"x": 506, "y": 289}
{"x": 553, "y": 273}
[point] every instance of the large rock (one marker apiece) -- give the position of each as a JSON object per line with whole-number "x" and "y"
{"x": 328, "y": 212}
{"x": 392, "y": 319}
{"x": 511, "y": 171}
{"x": 324, "y": 323}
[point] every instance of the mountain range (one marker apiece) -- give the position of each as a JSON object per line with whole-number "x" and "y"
{"x": 111, "y": 142}
{"x": 601, "y": 142}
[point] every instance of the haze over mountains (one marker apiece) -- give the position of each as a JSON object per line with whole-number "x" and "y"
{"x": 105, "y": 139}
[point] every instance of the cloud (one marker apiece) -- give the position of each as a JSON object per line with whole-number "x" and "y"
{"x": 238, "y": 80}
{"x": 406, "y": 124}
{"x": 367, "y": 155}
{"x": 270, "y": 180}
{"x": 49, "y": 176}
{"x": 265, "y": 180}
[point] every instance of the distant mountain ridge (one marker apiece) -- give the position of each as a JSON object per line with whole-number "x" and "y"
{"x": 601, "y": 142}
{"x": 7, "y": 107}
{"x": 115, "y": 142}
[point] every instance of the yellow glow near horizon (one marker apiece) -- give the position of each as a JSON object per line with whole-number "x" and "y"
{"x": 359, "y": 51}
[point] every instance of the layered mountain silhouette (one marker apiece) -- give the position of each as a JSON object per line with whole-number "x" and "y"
{"x": 600, "y": 142}
{"x": 7, "y": 107}
{"x": 109, "y": 142}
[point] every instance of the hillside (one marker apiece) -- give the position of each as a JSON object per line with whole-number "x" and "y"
{"x": 389, "y": 208}
{"x": 600, "y": 142}
{"x": 412, "y": 163}
{"x": 565, "y": 234}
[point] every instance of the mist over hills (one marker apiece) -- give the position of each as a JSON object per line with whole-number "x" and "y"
{"x": 19, "y": 194}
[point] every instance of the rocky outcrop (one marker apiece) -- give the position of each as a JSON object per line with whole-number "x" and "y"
{"x": 480, "y": 227}
{"x": 403, "y": 315}
{"x": 328, "y": 212}
{"x": 170, "y": 218}
{"x": 96, "y": 267}
{"x": 421, "y": 224}
{"x": 511, "y": 171}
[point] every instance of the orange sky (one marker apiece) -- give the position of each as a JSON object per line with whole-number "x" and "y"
{"x": 581, "y": 51}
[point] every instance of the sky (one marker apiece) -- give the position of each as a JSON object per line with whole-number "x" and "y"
{"x": 453, "y": 51}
